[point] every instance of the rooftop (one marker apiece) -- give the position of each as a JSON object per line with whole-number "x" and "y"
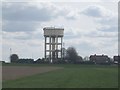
{"x": 52, "y": 28}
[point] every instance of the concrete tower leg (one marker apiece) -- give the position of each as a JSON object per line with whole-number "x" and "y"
{"x": 50, "y": 48}
{"x": 56, "y": 47}
{"x": 53, "y": 48}
{"x": 61, "y": 47}
{"x": 45, "y": 47}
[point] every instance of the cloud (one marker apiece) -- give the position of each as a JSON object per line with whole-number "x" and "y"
{"x": 27, "y": 17}
{"x": 16, "y": 35}
{"x": 72, "y": 15}
{"x": 101, "y": 14}
{"x": 40, "y": 12}
{"x": 33, "y": 35}
{"x": 62, "y": 0}
{"x": 19, "y": 26}
{"x": 96, "y": 11}
{"x": 112, "y": 20}
{"x": 109, "y": 29}
{"x": 93, "y": 11}
{"x": 107, "y": 20}
{"x": 110, "y": 1}
{"x": 27, "y": 12}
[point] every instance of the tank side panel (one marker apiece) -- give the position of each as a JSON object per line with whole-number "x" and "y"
{"x": 53, "y": 32}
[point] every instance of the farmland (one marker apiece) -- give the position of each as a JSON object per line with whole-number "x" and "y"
{"x": 66, "y": 76}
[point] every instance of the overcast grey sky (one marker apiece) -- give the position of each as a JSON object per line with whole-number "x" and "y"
{"x": 90, "y": 27}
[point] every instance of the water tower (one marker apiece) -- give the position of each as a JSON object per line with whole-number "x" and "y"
{"x": 53, "y": 43}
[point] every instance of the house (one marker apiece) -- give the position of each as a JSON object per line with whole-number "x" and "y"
{"x": 116, "y": 59}
{"x": 100, "y": 59}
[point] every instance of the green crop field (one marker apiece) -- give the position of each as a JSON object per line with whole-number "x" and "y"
{"x": 71, "y": 76}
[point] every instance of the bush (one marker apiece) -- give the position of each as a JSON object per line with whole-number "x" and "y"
{"x": 87, "y": 62}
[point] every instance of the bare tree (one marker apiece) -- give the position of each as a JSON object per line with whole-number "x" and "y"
{"x": 72, "y": 55}
{"x": 14, "y": 58}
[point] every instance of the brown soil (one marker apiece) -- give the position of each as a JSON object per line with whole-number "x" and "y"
{"x": 15, "y": 72}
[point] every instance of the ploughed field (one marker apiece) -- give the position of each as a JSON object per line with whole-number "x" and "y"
{"x": 59, "y": 76}
{"x": 15, "y": 72}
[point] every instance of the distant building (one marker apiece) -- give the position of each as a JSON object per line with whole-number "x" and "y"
{"x": 100, "y": 59}
{"x": 116, "y": 59}
{"x": 53, "y": 43}
{"x": 1, "y": 62}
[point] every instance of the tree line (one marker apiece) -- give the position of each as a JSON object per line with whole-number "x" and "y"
{"x": 70, "y": 57}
